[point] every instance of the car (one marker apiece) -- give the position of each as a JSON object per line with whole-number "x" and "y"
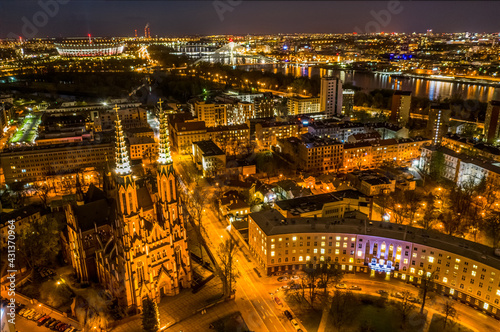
{"x": 341, "y": 286}
{"x": 21, "y": 312}
{"x": 57, "y": 326}
{"x": 354, "y": 287}
{"x": 288, "y": 314}
{"x": 398, "y": 295}
{"x": 70, "y": 329}
{"x": 284, "y": 278}
{"x": 27, "y": 312}
{"x": 277, "y": 300}
{"x": 42, "y": 320}
{"x": 285, "y": 287}
{"x": 54, "y": 323}
{"x": 61, "y": 326}
{"x": 294, "y": 278}
{"x": 295, "y": 324}
{"x": 38, "y": 316}
{"x": 413, "y": 299}
{"x": 31, "y": 314}
{"x": 50, "y": 321}
{"x": 383, "y": 292}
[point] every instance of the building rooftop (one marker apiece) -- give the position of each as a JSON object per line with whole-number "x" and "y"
{"x": 209, "y": 148}
{"x": 21, "y": 213}
{"x": 242, "y": 126}
{"x": 140, "y": 140}
{"x": 190, "y": 126}
{"x": 273, "y": 223}
{"x": 297, "y": 206}
{"x": 312, "y": 141}
{"x": 488, "y": 164}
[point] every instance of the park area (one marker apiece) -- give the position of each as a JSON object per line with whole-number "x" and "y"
{"x": 27, "y": 131}
{"x": 351, "y": 312}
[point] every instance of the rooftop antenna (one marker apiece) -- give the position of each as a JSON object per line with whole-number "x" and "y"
{"x": 90, "y": 40}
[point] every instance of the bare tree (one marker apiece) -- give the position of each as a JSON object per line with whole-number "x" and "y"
{"x": 329, "y": 274}
{"x": 343, "y": 309}
{"x": 229, "y": 273}
{"x": 448, "y": 311}
{"x": 405, "y": 307}
{"x": 42, "y": 191}
{"x": 426, "y": 287}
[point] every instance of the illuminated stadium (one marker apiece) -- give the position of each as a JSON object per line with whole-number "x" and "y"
{"x": 81, "y": 48}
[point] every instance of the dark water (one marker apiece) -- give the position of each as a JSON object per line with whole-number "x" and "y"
{"x": 369, "y": 81}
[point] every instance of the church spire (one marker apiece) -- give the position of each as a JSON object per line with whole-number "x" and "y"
{"x": 164, "y": 150}
{"x": 122, "y": 160}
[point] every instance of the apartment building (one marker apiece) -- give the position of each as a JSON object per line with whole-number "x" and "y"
{"x": 469, "y": 147}
{"x": 400, "y": 107}
{"x": 336, "y": 129}
{"x": 208, "y": 157}
{"x": 213, "y": 114}
{"x": 31, "y": 164}
{"x": 268, "y": 133}
{"x": 183, "y": 134}
{"x": 331, "y": 96}
{"x": 299, "y": 105}
{"x": 143, "y": 148}
{"x": 461, "y": 269}
{"x": 462, "y": 169}
{"x": 492, "y": 122}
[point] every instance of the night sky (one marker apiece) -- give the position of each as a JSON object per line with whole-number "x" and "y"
{"x": 176, "y": 18}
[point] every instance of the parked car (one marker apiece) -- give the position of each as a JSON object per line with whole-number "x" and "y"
{"x": 341, "y": 286}
{"x": 54, "y": 323}
{"x": 398, "y": 295}
{"x": 277, "y": 300}
{"x": 22, "y": 311}
{"x": 354, "y": 287}
{"x": 57, "y": 326}
{"x": 43, "y": 320}
{"x": 37, "y": 316}
{"x": 70, "y": 329}
{"x": 295, "y": 324}
{"x": 288, "y": 314}
{"x": 383, "y": 292}
{"x": 50, "y": 321}
{"x": 413, "y": 299}
{"x": 283, "y": 278}
{"x": 294, "y": 278}
{"x": 31, "y": 314}
{"x": 61, "y": 327}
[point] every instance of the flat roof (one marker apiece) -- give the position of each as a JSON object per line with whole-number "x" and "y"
{"x": 209, "y": 148}
{"x": 297, "y": 206}
{"x": 273, "y": 223}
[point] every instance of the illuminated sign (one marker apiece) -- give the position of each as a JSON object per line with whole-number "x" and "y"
{"x": 381, "y": 266}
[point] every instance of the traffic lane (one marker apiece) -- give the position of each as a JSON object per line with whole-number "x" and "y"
{"x": 264, "y": 307}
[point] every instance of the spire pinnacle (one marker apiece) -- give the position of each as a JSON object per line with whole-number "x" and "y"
{"x": 122, "y": 160}
{"x": 164, "y": 149}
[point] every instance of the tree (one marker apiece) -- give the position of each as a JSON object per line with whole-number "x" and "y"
{"x": 426, "y": 286}
{"x": 42, "y": 191}
{"x": 311, "y": 274}
{"x": 448, "y": 311}
{"x": 451, "y": 222}
{"x": 437, "y": 166}
{"x": 405, "y": 307}
{"x": 329, "y": 274}
{"x": 150, "y": 315}
{"x": 197, "y": 205}
{"x": 229, "y": 273}
{"x": 343, "y": 309}
{"x": 491, "y": 226}
{"x": 38, "y": 243}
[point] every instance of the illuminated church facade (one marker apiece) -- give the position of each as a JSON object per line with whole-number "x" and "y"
{"x": 144, "y": 252}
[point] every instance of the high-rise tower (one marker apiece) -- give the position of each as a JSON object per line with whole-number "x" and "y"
{"x": 331, "y": 96}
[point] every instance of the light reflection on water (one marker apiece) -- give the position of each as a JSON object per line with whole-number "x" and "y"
{"x": 369, "y": 81}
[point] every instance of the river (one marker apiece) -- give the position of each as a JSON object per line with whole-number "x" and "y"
{"x": 369, "y": 81}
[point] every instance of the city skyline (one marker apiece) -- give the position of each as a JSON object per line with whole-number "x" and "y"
{"x": 174, "y": 18}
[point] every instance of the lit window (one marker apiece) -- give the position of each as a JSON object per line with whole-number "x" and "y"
{"x": 457, "y": 260}
{"x": 445, "y": 279}
{"x": 337, "y": 251}
{"x": 337, "y": 238}
{"x": 315, "y": 251}
{"x": 431, "y": 259}
{"x": 452, "y": 291}
{"x": 308, "y": 258}
{"x": 300, "y": 259}
{"x": 272, "y": 253}
{"x": 337, "y": 244}
{"x": 473, "y": 273}
{"x": 412, "y": 270}
{"x": 322, "y": 251}
{"x": 485, "y": 306}
{"x": 405, "y": 261}
{"x": 360, "y": 253}
{"x": 280, "y": 239}
{"x": 294, "y": 238}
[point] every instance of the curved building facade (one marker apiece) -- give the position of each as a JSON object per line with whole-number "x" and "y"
{"x": 464, "y": 270}
{"x": 88, "y": 49}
